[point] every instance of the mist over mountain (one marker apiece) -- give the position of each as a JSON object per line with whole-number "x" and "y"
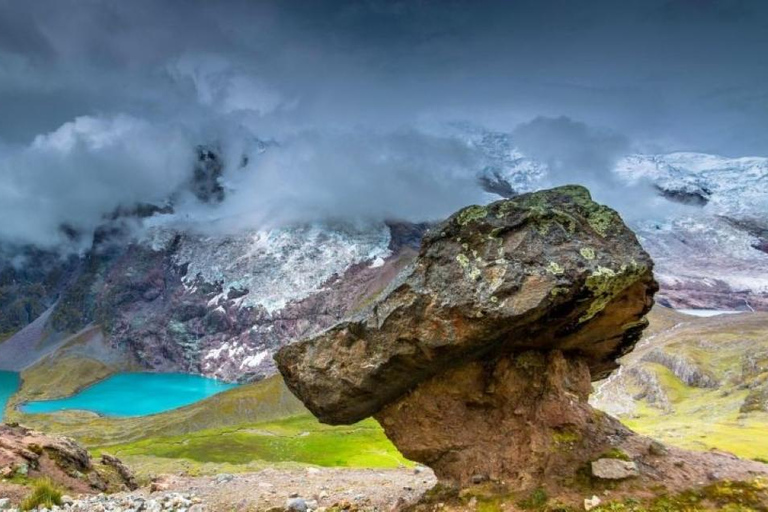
{"x": 104, "y": 103}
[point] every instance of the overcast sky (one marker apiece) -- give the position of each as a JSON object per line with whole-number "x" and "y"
{"x": 84, "y": 82}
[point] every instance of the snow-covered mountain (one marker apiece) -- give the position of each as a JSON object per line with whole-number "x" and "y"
{"x": 707, "y": 227}
{"x": 175, "y": 299}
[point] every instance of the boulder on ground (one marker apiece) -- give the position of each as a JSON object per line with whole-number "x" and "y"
{"x": 551, "y": 270}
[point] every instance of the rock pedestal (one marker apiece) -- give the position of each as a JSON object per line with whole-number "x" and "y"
{"x": 478, "y": 359}
{"x": 521, "y": 419}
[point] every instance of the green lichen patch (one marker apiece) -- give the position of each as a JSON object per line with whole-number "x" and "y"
{"x": 529, "y": 360}
{"x": 555, "y": 268}
{"x": 600, "y": 218}
{"x": 471, "y": 271}
{"x": 587, "y": 253}
{"x": 616, "y": 453}
{"x": 471, "y": 214}
{"x": 605, "y": 283}
{"x": 474, "y": 273}
{"x": 566, "y": 437}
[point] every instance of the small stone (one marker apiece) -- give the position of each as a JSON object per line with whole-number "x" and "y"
{"x": 313, "y": 471}
{"x": 224, "y": 478}
{"x": 658, "y": 449}
{"x": 5, "y": 503}
{"x": 614, "y": 469}
{"x": 296, "y": 505}
{"x": 293, "y": 495}
{"x": 311, "y": 504}
{"x": 158, "y": 487}
{"x": 323, "y": 495}
{"x": 478, "y": 479}
{"x": 590, "y": 503}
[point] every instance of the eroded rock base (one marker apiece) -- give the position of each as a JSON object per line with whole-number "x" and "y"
{"x": 523, "y": 422}
{"x": 521, "y": 419}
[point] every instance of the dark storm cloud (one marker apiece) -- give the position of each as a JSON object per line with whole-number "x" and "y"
{"x": 666, "y": 75}
{"x": 687, "y": 74}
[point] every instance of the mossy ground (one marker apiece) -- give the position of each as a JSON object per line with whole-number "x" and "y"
{"x": 300, "y": 439}
{"x": 723, "y": 496}
{"x": 60, "y": 378}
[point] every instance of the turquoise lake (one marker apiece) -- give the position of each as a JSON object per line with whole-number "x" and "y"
{"x": 135, "y": 394}
{"x": 9, "y": 383}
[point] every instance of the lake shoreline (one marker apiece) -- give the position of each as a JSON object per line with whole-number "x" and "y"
{"x": 198, "y": 383}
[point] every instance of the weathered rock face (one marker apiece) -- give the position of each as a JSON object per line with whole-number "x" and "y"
{"x": 548, "y": 271}
{"x": 521, "y": 419}
{"x": 29, "y": 453}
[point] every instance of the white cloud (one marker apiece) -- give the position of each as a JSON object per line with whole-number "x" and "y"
{"x": 226, "y": 87}
{"x": 85, "y": 169}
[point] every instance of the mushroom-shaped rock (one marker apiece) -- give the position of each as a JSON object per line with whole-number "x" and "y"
{"x": 479, "y": 356}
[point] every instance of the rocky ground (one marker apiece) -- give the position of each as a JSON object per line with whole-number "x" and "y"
{"x": 294, "y": 489}
{"x": 337, "y": 489}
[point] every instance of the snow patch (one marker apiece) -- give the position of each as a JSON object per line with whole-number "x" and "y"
{"x": 281, "y": 265}
{"x": 254, "y": 360}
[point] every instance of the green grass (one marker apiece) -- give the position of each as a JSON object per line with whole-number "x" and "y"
{"x": 242, "y": 429}
{"x": 61, "y": 377}
{"x": 300, "y": 439}
{"x": 45, "y": 494}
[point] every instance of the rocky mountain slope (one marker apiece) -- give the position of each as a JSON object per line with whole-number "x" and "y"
{"x": 170, "y": 298}
{"x": 699, "y": 383}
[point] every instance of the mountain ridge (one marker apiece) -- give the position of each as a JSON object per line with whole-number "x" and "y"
{"x": 179, "y": 299}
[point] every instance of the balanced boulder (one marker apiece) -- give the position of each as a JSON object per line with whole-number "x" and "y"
{"x": 478, "y": 358}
